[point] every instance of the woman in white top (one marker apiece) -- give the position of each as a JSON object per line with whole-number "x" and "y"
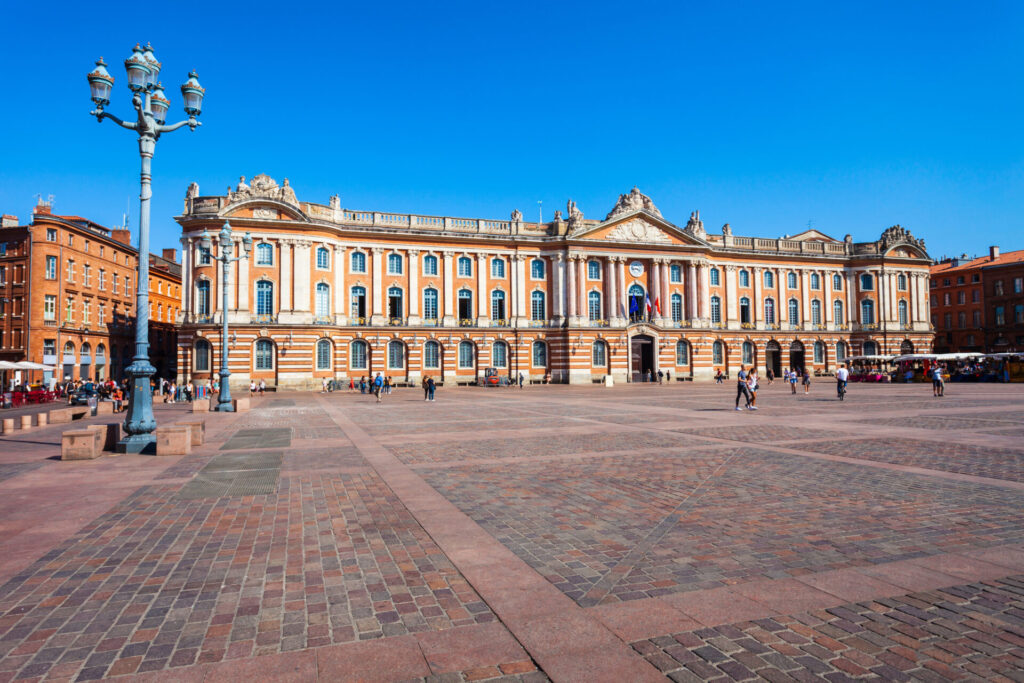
{"x": 752, "y": 385}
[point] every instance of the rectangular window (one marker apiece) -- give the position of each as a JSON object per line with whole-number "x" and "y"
{"x": 113, "y": 282}
{"x": 976, "y": 296}
{"x": 86, "y": 306}
{"x": 103, "y": 279}
{"x": 69, "y": 312}
{"x": 977, "y": 318}
{"x": 961, "y": 298}
{"x": 3, "y": 275}
{"x": 51, "y": 267}
{"x": 675, "y": 273}
{"x": 497, "y": 268}
{"x": 1018, "y": 285}
{"x": 71, "y": 271}
{"x": 1000, "y": 315}
{"x": 998, "y": 285}
{"x": 51, "y": 234}
{"x": 50, "y": 307}
{"x": 1018, "y": 313}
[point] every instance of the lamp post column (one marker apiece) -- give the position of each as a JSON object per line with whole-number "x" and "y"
{"x": 224, "y": 404}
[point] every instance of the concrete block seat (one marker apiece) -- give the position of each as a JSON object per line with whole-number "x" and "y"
{"x": 81, "y": 444}
{"x": 198, "y": 429}
{"x": 174, "y": 440}
{"x": 66, "y": 415}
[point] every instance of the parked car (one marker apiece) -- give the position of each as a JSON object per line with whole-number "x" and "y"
{"x": 82, "y": 396}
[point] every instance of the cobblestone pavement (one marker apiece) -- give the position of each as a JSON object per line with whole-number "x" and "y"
{"x": 556, "y": 533}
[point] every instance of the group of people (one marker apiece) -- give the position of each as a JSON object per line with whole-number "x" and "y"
{"x": 747, "y": 383}
{"x": 257, "y": 389}
{"x": 662, "y": 377}
{"x": 377, "y": 385}
{"x": 186, "y": 392}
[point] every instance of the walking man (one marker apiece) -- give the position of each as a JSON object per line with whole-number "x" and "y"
{"x": 378, "y": 386}
{"x": 520, "y": 380}
{"x": 741, "y": 388}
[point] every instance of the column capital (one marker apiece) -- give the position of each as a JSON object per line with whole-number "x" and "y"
{"x": 518, "y": 258}
{"x": 339, "y": 248}
{"x": 377, "y": 250}
{"x": 731, "y": 269}
{"x": 558, "y": 256}
{"x": 413, "y": 253}
{"x": 447, "y": 255}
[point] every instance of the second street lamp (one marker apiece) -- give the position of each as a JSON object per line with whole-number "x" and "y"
{"x": 225, "y": 245}
{"x": 151, "y": 106}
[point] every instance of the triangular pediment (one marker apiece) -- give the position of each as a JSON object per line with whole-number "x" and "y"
{"x": 638, "y": 227}
{"x": 812, "y": 235}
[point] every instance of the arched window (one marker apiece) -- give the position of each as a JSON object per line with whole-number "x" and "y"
{"x": 465, "y": 304}
{"x": 717, "y": 353}
{"x": 744, "y": 310}
{"x": 264, "y": 297}
{"x": 837, "y": 282}
{"x": 599, "y": 354}
{"x": 537, "y": 307}
{"x": 323, "y": 258}
{"x": 497, "y": 305}
{"x": 870, "y": 348}
{"x": 497, "y": 268}
{"x": 682, "y": 352}
{"x": 358, "y": 262}
{"x": 540, "y": 354}
{"x": 769, "y": 279}
{"x": 715, "y": 277}
{"x": 202, "y": 363}
{"x": 432, "y": 355}
{"x": 744, "y": 278}
{"x": 323, "y": 300}
{"x": 769, "y": 311}
{"x": 867, "y": 282}
{"x": 837, "y": 311}
{"x": 867, "y": 312}
{"x": 396, "y": 355}
{"x": 716, "y": 309}
{"x": 430, "y": 303}
{"x": 815, "y": 281}
{"x": 264, "y": 354}
{"x": 358, "y": 302}
{"x": 323, "y": 354}
{"x": 794, "y": 312}
{"x": 466, "y": 354}
{"x": 637, "y": 310}
{"x": 901, "y": 282}
{"x": 594, "y": 305}
{"x": 357, "y": 355}
{"x": 395, "y": 307}
{"x": 430, "y": 265}
{"x": 815, "y": 312}
{"x": 537, "y": 269}
{"x": 675, "y": 273}
{"x": 499, "y": 354}
{"x": 902, "y": 307}
{"x": 264, "y": 254}
{"x": 841, "y": 351}
{"x": 465, "y": 266}
{"x": 593, "y": 270}
{"x": 819, "y": 353}
{"x": 394, "y": 264}
{"x": 791, "y": 280}
{"x": 677, "y": 308}
{"x": 203, "y": 298}
{"x": 748, "y": 353}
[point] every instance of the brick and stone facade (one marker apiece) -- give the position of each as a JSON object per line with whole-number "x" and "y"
{"x": 332, "y": 292}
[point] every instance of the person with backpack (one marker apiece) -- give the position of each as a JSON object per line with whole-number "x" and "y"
{"x": 430, "y": 388}
{"x": 378, "y": 386}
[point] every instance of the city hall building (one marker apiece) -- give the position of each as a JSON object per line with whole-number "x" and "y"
{"x": 329, "y": 292}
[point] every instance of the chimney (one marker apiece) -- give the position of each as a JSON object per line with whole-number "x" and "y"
{"x": 42, "y": 208}
{"x": 122, "y": 236}
{"x": 993, "y": 253}
{"x": 8, "y": 221}
{"x": 170, "y": 255}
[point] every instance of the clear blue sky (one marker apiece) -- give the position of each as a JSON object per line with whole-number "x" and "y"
{"x": 854, "y": 116}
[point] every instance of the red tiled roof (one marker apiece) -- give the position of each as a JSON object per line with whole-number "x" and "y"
{"x": 979, "y": 262}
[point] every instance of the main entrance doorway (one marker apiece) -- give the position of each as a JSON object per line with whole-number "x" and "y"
{"x": 796, "y": 356}
{"x": 642, "y": 356}
{"x": 773, "y": 358}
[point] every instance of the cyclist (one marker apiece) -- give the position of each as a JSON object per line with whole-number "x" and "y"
{"x": 842, "y": 375}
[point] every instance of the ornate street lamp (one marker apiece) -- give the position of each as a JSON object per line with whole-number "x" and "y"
{"x": 151, "y": 106}
{"x": 225, "y": 245}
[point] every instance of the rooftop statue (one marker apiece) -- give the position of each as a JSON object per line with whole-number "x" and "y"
{"x": 695, "y": 226}
{"x": 634, "y": 200}
{"x": 263, "y": 186}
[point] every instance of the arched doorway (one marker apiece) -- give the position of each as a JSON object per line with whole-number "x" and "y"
{"x": 641, "y": 355}
{"x": 907, "y": 347}
{"x": 796, "y": 355}
{"x": 773, "y": 357}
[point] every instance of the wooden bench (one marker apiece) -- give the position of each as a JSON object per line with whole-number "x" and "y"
{"x": 81, "y": 444}
{"x": 66, "y": 415}
{"x": 174, "y": 440}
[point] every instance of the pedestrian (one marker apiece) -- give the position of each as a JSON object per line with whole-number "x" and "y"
{"x": 807, "y": 381}
{"x": 650, "y": 375}
{"x": 520, "y": 380}
{"x": 718, "y": 376}
{"x": 752, "y": 388}
{"x": 387, "y": 385}
{"x": 263, "y": 386}
{"x": 742, "y": 390}
{"x": 792, "y": 381}
{"x": 252, "y": 389}
{"x": 430, "y": 388}
{"x": 661, "y": 376}
{"x": 362, "y": 384}
{"x": 378, "y": 386}
{"x": 668, "y": 376}
{"x": 352, "y": 384}
{"x": 323, "y": 385}
{"x": 426, "y": 388}
{"x": 771, "y": 376}
{"x": 938, "y": 385}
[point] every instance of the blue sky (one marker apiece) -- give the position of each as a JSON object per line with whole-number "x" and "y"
{"x": 854, "y": 116}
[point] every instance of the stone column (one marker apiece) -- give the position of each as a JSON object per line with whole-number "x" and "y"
{"x": 243, "y": 283}
{"x": 340, "y": 295}
{"x": 558, "y": 288}
{"x": 620, "y": 262}
{"x": 449, "y": 291}
{"x": 377, "y": 286}
{"x": 826, "y": 287}
{"x": 303, "y": 272}
{"x": 286, "y": 276}
{"x": 732, "y": 298}
{"x": 610, "y": 299}
{"x": 482, "y": 297}
{"x": 187, "y": 279}
{"x": 691, "y": 292}
{"x": 581, "y": 287}
{"x": 851, "y": 299}
{"x": 805, "y": 299}
{"x": 666, "y": 292}
{"x": 413, "y": 297}
{"x": 704, "y": 302}
{"x": 571, "y": 296}
{"x": 520, "y": 285}
{"x": 757, "y": 303}
{"x": 233, "y": 250}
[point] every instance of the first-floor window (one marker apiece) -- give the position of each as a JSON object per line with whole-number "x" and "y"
{"x": 323, "y": 300}
{"x": 748, "y": 353}
{"x": 499, "y": 355}
{"x": 594, "y": 305}
{"x": 497, "y": 305}
{"x": 794, "y": 312}
{"x": 682, "y": 352}
{"x": 50, "y": 307}
{"x": 599, "y": 354}
{"x": 867, "y": 312}
{"x": 396, "y": 355}
{"x": 465, "y": 354}
{"x": 716, "y": 309}
{"x": 323, "y": 354}
{"x": 430, "y": 303}
{"x": 540, "y": 354}
{"x": 537, "y": 309}
{"x": 816, "y": 312}
{"x": 717, "y": 352}
{"x": 432, "y": 355}
{"x": 902, "y": 306}
{"x": 819, "y": 352}
{"x": 769, "y": 311}
{"x": 358, "y": 302}
{"x": 202, "y": 356}
{"x": 203, "y": 299}
{"x": 837, "y": 311}
{"x": 677, "y": 308}
{"x": 264, "y": 355}
{"x": 264, "y": 297}
{"x": 357, "y": 356}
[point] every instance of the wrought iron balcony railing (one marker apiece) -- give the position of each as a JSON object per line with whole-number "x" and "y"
{"x": 264, "y": 318}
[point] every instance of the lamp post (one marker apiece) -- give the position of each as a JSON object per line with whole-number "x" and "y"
{"x": 224, "y": 248}
{"x": 151, "y": 106}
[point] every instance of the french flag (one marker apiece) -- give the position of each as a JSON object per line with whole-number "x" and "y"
{"x": 647, "y": 303}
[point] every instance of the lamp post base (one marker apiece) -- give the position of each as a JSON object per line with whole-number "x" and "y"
{"x": 228, "y": 407}
{"x": 138, "y": 443}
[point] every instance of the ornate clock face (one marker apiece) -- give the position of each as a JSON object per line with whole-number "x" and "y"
{"x": 636, "y": 268}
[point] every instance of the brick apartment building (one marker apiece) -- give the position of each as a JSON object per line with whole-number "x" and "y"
{"x": 67, "y": 298}
{"x": 977, "y": 304}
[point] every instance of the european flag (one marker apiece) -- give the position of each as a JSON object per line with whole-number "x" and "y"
{"x": 634, "y": 305}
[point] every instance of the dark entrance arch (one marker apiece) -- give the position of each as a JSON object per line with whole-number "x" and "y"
{"x": 796, "y": 355}
{"x": 773, "y": 357}
{"x": 907, "y": 347}
{"x": 641, "y": 356}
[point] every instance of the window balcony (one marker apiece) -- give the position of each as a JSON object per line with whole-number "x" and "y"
{"x": 717, "y": 326}
{"x": 359, "y": 322}
{"x": 538, "y": 323}
{"x": 50, "y": 323}
{"x": 204, "y": 318}
{"x": 772, "y": 326}
{"x": 430, "y": 322}
{"x": 467, "y": 322}
{"x": 843, "y": 327}
{"x": 819, "y": 326}
{"x": 597, "y": 323}
{"x": 748, "y": 326}
{"x": 499, "y": 322}
{"x": 794, "y": 326}
{"x": 264, "y": 318}
{"x": 323, "y": 320}
{"x": 398, "y": 322}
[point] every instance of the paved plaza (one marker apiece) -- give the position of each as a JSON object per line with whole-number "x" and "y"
{"x": 562, "y": 533}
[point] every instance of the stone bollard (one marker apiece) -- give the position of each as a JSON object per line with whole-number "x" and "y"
{"x": 26, "y": 422}
{"x": 241, "y": 405}
{"x": 41, "y": 419}
{"x": 105, "y": 408}
{"x": 8, "y": 425}
{"x": 174, "y": 440}
{"x": 201, "y": 405}
{"x": 198, "y": 428}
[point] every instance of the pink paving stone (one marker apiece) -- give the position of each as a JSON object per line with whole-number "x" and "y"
{"x": 469, "y": 647}
{"x": 962, "y": 567}
{"x": 638, "y": 619}
{"x": 372, "y": 661}
{"x": 718, "y": 606}
{"x": 1011, "y": 557}
{"x": 786, "y": 596}
{"x": 289, "y": 666}
{"x": 910, "y": 575}
{"x": 851, "y": 585}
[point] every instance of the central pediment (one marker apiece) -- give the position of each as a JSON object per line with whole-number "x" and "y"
{"x": 638, "y": 227}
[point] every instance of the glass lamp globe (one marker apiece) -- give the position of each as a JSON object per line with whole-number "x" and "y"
{"x": 100, "y": 84}
{"x": 193, "y": 93}
{"x": 152, "y": 63}
{"x": 159, "y": 104}
{"x": 138, "y": 70}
